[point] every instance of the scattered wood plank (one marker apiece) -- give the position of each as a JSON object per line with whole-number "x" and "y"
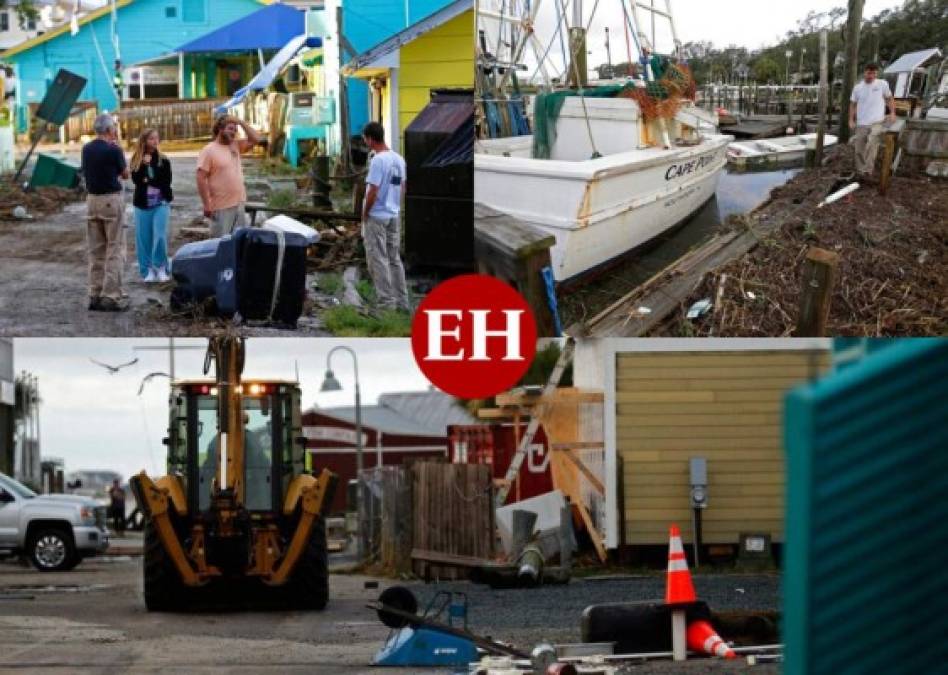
{"x": 579, "y": 464}
{"x": 665, "y": 291}
{"x": 453, "y": 559}
{"x": 252, "y": 208}
{"x": 571, "y": 489}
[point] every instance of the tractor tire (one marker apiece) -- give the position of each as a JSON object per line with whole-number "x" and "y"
{"x": 308, "y": 587}
{"x": 164, "y": 591}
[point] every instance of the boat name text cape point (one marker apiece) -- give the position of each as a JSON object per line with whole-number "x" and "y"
{"x": 679, "y": 170}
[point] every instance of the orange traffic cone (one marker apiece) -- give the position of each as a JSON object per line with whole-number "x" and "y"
{"x": 678, "y": 586}
{"x": 702, "y": 638}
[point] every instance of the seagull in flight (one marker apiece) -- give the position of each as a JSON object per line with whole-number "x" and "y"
{"x": 114, "y": 369}
{"x": 148, "y": 378}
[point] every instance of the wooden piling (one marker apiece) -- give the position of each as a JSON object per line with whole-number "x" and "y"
{"x": 819, "y": 277}
{"x": 888, "y": 154}
{"x": 824, "y": 97}
{"x": 853, "y": 25}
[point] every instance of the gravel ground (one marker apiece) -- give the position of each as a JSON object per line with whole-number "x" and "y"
{"x": 527, "y": 617}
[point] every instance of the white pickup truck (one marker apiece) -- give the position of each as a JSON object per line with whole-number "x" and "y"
{"x": 55, "y": 531}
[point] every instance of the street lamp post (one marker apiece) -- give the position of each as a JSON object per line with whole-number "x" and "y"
{"x": 330, "y": 383}
{"x": 788, "y": 54}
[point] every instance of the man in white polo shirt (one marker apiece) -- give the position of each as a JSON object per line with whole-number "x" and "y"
{"x": 867, "y": 112}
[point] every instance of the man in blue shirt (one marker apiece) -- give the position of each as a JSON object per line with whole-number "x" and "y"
{"x": 381, "y": 220}
{"x": 103, "y": 166}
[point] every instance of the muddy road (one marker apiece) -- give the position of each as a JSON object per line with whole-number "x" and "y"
{"x": 43, "y": 273}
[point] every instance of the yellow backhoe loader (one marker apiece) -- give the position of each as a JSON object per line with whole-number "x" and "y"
{"x": 238, "y": 511}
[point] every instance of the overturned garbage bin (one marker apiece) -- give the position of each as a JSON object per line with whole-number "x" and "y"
{"x": 255, "y": 275}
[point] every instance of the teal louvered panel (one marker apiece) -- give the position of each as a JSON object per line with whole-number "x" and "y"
{"x": 865, "y": 581}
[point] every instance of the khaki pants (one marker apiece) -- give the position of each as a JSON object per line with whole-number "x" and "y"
{"x": 383, "y": 241}
{"x": 105, "y": 237}
{"x": 226, "y": 221}
{"x": 866, "y": 140}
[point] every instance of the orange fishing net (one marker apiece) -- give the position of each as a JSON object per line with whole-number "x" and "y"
{"x": 664, "y": 98}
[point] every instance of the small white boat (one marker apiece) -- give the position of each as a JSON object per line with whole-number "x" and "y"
{"x": 609, "y": 185}
{"x": 766, "y": 151}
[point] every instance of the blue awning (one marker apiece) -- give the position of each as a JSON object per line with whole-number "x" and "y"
{"x": 270, "y": 71}
{"x": 271, "y": 27}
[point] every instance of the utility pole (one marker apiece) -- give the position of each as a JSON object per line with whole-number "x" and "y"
{"x": 343, "y": 99}
{"x": 853, "y": 25}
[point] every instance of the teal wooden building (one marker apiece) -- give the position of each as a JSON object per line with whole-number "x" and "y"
{"x": 137, "y": 31}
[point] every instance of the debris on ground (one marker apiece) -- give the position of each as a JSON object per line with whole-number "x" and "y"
{"x": 893, "y": 261}
{"x": 19, "y": 204}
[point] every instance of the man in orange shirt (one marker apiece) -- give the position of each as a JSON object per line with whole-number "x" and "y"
{"x": 220, "y": 176}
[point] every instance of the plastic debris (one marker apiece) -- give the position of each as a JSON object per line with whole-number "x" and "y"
{"x": 839, "y": 194}
{"x": 21, "y": 213}
{"x": 700, "y": 308}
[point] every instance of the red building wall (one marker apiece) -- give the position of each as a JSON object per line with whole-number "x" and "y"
{"x": 331, "y": 444}
{"x": 496, "y": 444}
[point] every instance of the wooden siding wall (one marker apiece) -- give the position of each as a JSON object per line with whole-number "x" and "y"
{"x": 443, "y": 58}
{"x": 724, "y": 406}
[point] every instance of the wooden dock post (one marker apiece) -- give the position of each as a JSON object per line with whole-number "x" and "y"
{"x": 516, "y": 252}
{"x": 853, "y": 25}
{"x": 888, "y": 154}
{"x": 824, "y": 97}
{"x": 819, "y": 277}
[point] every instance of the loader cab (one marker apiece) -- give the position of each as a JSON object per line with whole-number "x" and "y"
{"x": 274, "y": 450}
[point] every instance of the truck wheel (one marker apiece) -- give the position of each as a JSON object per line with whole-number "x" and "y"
{"x": 309, "y": 584}
{"x": 52, "y": 550}
{"x": 164, "y": 591}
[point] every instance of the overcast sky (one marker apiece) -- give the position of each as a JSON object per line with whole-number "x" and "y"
{"x": 748, "y": 23}
{"x": 94, "y": 420}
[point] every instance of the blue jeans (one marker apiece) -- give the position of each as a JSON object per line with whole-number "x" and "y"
{"x": 151, "y": 237}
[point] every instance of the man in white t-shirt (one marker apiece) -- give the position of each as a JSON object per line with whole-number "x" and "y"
{"x": 867, "y": 112}
{"x": 381, "y": 220}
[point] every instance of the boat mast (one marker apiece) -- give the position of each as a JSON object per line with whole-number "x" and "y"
{"x": 654, "y": 12}
{"x": 578, "y": 75}
{"x": 523, "y": 25}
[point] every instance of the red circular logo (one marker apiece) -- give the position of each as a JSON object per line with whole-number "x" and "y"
{"x": 474, "y": 336}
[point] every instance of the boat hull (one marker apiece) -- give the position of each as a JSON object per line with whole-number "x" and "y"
{"x": 600, "y": 209}
{"x": 757, "y": 154}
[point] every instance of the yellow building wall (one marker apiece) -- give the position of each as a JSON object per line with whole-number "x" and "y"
{"x": 442, "y": 58}
{"x": 724, "y": 406}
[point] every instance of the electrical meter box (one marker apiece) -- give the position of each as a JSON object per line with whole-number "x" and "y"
{"x": 699, "y": 482}
{"x": 307, "y": 110}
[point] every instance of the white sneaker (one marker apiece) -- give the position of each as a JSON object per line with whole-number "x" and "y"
{"x": 152, "y": 277}
{"x": 163, "y": 276}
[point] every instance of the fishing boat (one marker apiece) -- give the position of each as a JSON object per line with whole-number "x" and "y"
{"x": 766, "y": 152}
{"x": 603, "y": 176}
